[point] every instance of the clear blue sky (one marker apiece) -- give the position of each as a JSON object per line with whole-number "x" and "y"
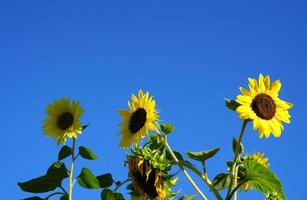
{"x": 189, "y": 54}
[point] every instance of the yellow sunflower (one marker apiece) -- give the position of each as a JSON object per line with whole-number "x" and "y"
{"x": 262, "y": 105}
{"x": 63, "y": 120}
{"x": 259, "y": 158}
{"x": 138, "y": 120}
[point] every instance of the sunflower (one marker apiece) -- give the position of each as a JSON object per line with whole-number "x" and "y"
{"x": 262, "y": 105}
{"x": 138, "y": 120}
{"x": 148, "y": 171}
{"x": 259, "y": 158}
{"x": 63, "y": 120}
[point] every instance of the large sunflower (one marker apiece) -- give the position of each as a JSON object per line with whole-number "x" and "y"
{"x": 262, "y": 105}
{"x": 139, "y": 119}
{"x": 148, "y": 170}
{"x": 63, "y": 120}
{"x": 259, "y": 158}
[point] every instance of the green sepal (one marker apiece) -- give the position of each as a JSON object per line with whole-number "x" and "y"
{"x": 49, "y": 182}
{"x": 87, "y": 153}
{"x": 105, "y": 180}
{"x": 87, "y": 180}
{"x": 232, "y": 104}
{"x": 64, "y": 152}
{"x": 84, "y": 127}
{"x": 167, "y": 128}
{"x": 202, "y": 155}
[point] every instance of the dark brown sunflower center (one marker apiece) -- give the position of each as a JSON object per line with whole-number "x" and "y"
{"x": 65, "y": 120}
{"x": 137, "y": 120}
{"x": 264, "y": 106}
{"x": 146, "y": 185}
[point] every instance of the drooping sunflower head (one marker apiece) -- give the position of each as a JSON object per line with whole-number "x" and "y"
{"x": 150, "y": 180}
{"x": 259, "y": 158}
{"x": 138, "y": 119}
{"x": 262, "y": 105}
{"x": 63, "y": 120}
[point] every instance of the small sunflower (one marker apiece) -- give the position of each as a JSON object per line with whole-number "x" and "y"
{"x": 259, "y": 158}
{"x": 262, "y": 105}
{"x": 63, "y": 120}
{"x": 139, "y": 119}
{"x": 148, "y": 171}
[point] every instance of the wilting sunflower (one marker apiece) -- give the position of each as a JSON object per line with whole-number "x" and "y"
{"x": 262, "y": 105}
{"x": 259, "y": 158}
{"x": 63, "y": 120}
{"x": 139, "y": 119}
{"x": 148, "y": 171}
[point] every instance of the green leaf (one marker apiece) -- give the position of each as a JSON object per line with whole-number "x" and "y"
{"x": 187, "y": 197}
{"x": 119, "y": 196}
{"x": 107, "y": 194}
{"x": 232, "y": 105}
{"x": 202, "y": 155}
{"x": 177, "y": 154}
{"x": 49, "y": 182}
{"x": 262, "y": 179}
{"x": 33, "y": 198}
{"x": 64, "y": 197}
{"x": 64, "y": 152}
{"x": 167, "y": 128}
{"x": 221, "y": 181}
{"x": 234, "y": 146}
{"x": 87, "y": 180}
{"x": 105, "y": 180}
{"x": 87, "y": 153}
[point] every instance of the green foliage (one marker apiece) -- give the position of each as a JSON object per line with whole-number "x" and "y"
{"x": 64, "y": 197}
{"x": 231, "y": 104}
{"x": 167, "y": 128}
{"x": 262, "y": 179}
{"x": 87, "y": 153}
{"x": 222, "y": 181}
{"x": 202, "y": 155}
{"x": 33, "y": 198}
{"x": 49, "y": 182}
{"x": 87, "y": 180}
{"x": 108, "y": 194}
{"x": 64, "y": 152}
{"x": 105, "y": 180}
{"x": 187, "y": 197}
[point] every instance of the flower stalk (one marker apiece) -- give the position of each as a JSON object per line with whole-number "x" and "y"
{"x": 234, "y": 172}
{"x": 71, "y": 183}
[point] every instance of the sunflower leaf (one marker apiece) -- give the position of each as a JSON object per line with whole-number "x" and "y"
{"x": 105, "y": 180}
{"x": 49, "y": 182}
{"x": 64, "y": 152}
{"x": 64, "y": 197}
{"x": 33, "y": 198}
{"x": 87, "y": 180}
{"x": 87, "y": 153}
{"x": 231, "y": 104}
{"x": 202, "y": 155}
{"x": 221, "y": 181}
{"x": 107, "y": 194}
{"x": 167, "y": 128}
{"x": 263, "y": 180}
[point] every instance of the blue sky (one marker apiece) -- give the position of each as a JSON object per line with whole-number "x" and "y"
{"x": 189, "y": 54}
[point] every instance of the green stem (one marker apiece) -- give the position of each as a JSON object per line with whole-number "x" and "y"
{"x": 121, "y": 184}
{"x": 53, "y": 194}
{"x": 71, "y": 168}
{"x": 204, "y": 177}
{"x": 234, "y": 172}
{"x": 182, "y": 169}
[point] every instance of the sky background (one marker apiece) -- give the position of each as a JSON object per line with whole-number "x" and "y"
{"x": 189, "y": 54}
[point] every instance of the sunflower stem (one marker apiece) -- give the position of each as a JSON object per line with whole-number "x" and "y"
{"x": 181, "y": 167}
{"x": 121, "y": 184}
{"x": 234, "y": 172}
{"x": 72, "y": 168}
